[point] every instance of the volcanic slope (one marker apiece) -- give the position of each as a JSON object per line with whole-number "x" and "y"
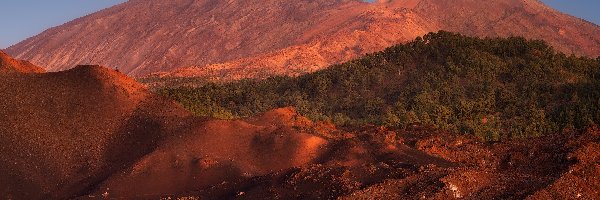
{"x": 11, "y": 65}
{"x": 92, "y": 132}
{"x": 160, "y": 35}
{"x": 88, "y": 129}
{"x": 256, "y": 38}
{"x": 62, "y": 132}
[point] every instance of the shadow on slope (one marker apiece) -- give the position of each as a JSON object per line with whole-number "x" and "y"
{"x": 63, "y": 132}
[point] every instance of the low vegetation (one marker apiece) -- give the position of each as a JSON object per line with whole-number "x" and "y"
{"x": 495, "y": 88}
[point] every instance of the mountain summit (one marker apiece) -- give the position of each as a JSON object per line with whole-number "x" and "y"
{"x": 259, "y": 38}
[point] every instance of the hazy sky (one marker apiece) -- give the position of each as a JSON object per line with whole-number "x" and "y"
{"x": 21, "y": 19}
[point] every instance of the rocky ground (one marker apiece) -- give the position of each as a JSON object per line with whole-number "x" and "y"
{"x": 94, "y": 133}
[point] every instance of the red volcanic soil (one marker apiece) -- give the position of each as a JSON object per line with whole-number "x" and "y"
{"x": 91, "y": 132}
{"x": 64, "y": 132}
{"x": 214, "y": 151}
{"x": 422, "y": 163}
{"x": 230, "y": 40}
{"x": 8, "y": 64}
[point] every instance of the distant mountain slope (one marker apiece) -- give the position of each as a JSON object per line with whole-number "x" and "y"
{"x": 258, "y": 38}
{"x": 143, "y": 36}
{"x": 528, "y": 18}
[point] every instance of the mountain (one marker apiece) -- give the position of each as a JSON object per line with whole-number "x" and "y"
{"x": 228, "y": 40}
{"x": 160, "y": 35}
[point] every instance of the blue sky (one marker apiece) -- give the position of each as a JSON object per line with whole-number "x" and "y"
{"x": 25, "y": 18}
{"x": 21, "y": 19}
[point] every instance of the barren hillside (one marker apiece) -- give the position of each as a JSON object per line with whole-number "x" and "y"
{"x": 63, "y": 132}
{"x": 91, "y": 132}
{"x": 228, "y": 40}
{"x": 11, "y": 65}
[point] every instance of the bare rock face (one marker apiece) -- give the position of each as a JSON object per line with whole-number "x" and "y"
{"x": 228, "y": 40}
